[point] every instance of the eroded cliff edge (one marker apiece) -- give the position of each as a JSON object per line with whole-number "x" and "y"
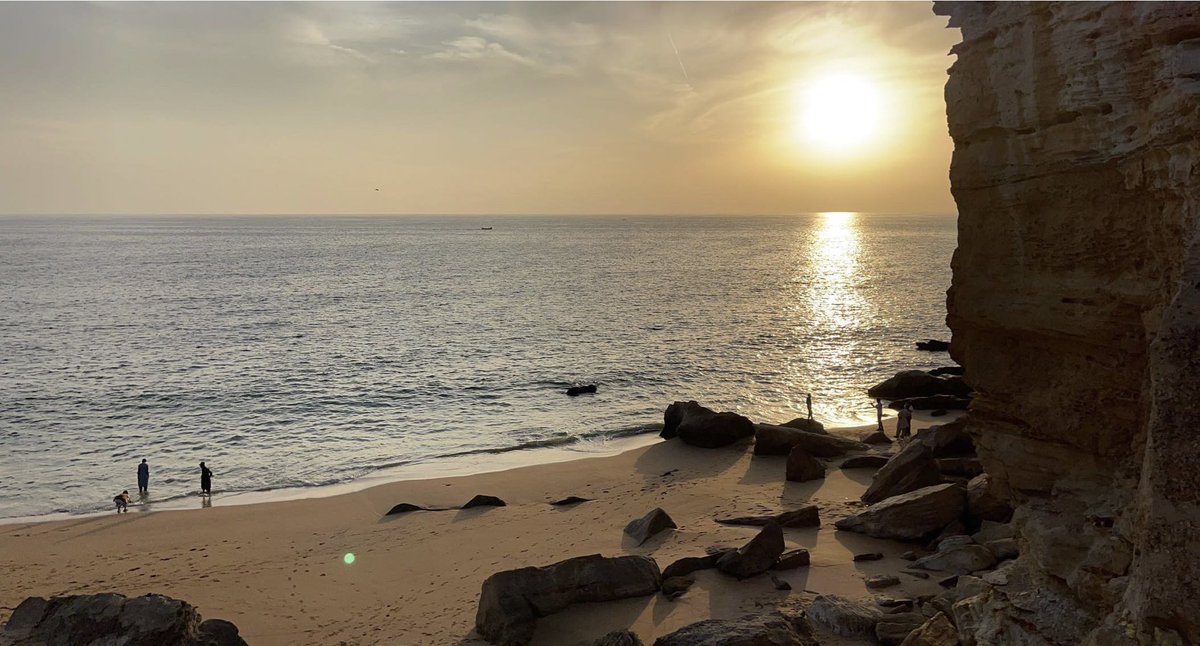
{"x": 1075, "y": 308}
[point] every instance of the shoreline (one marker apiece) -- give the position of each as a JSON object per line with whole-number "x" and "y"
{"x": 276, "y": 569}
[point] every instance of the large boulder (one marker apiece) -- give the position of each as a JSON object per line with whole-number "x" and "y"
{"x": 844, "y": 617}
{"x": 947, "y": 440}
{"x": 780, "y": 440}
{"x": 938, "y": 631}
{"x": 806, "y": 516}
{"x": 641, "y": 529}
{"x": 918, "y": 383}
{"x": 703, "y": 427}
{"x": 754, "y": 557}
{"x": 750, "y": 630}
{"x": 802, "y": 467}
{"x": 983, "y": 503}
{"x": 512, "y": 601}
{"x": 894, "y": 628}
{"x": 913, "y": 516}
{"x": 108, "y": 618}
{"x": 912, "y": 468}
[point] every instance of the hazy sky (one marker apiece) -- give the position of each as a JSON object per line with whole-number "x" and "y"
{"x": 468, "y": 108}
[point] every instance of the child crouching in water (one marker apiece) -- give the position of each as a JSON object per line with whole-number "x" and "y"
{"x": 122, "y": 502}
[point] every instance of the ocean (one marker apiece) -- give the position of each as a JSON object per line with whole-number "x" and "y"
{"x": 299, "y": 353}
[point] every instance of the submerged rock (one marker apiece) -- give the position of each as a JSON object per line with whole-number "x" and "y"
{"x": 933, "y": 345}
{"x": 641, "y": 529}
{"x": 703, "y": 427}
{"x": 918, "y": 383}
{"x": 581, "y": 390}
{"x": 511, "y": 601}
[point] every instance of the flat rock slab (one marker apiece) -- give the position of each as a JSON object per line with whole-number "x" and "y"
{"x": 771, "y": 629}
{"x": 958, "y": 559}
{"x": 868, "y": 556}
{"x": 511, "y": 601}
{"x": 913, "y": 516}
{"x": 864, "y": 462}
{"x": 880, "y": 581}
{"x": 780, "y": 440}
{"x": 806, "y": 516}
{"x": 642, "y": 529}
{"x": 845, "y": 617}
{"x": 792, "y": 559}
{"x": 690, "y": 564}
{"x": 484, "y": 501}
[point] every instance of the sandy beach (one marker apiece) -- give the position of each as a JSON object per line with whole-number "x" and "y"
{"x": 277, "y": 570}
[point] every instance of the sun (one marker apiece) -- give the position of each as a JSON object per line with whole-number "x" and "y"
{"x": 840, "y": 113}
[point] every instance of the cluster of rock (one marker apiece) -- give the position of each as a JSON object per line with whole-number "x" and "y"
{"x": 1075, "y": 307}
{"x": 151, "y": 620}
{"x": 937, "y": 389}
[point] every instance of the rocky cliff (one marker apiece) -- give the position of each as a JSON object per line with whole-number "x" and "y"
{"x": 1075, "y": 308}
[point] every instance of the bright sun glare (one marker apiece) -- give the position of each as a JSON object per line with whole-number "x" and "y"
{"x": 840, "y": 113}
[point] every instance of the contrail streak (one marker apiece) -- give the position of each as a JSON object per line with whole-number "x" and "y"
{"x": 678, "y": 58}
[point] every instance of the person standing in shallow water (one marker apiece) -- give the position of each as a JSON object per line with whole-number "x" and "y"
{"x": 205, "y": 480}
{"x": 143, "y": 478}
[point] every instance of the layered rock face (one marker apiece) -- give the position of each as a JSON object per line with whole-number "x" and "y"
{"x": 1075, "y": 306}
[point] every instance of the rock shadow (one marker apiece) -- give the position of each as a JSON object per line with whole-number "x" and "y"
{"x": 687, "y": 462}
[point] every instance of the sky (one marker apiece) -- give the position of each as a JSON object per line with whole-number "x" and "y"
{"x": 487, "y": 108}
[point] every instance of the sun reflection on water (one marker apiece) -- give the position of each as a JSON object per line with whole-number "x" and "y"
{"x": 834, "y": 254}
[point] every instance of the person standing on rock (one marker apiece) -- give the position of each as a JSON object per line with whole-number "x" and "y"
{"x": 904, "y": 423}
{"x": 879, "y": 413}
{"x": 143, "y": 478}
{"x": 808, "y": 402}
{"x": 205, "y": 480}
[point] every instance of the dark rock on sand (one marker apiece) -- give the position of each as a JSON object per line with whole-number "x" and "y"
{"x": 868, "y": 556}
{"x": 569, "y": 500}
{"x": 780, "y": 440}
{"x": 779, "y": 583}
{"x": 703, "y": 427}
{"x": 754, "y": 557}
{"x": 802, "y": 467}
{"x": 806, "y": 516}
{"x": 674, "y": 587}
{"x": 619, "y": 638}
{"x": 751, "y": 630}
{"x": 806, "y": 424}
{"x": 581, "y": 390}
{"x": 845, "y": 617}
{"x": 912, "y": 468}
{"x": 864, "y": 462}
{"x": 912, "y": 516}
{"x": 958, "y": 559}
{"x": 690, "y": 564}
{"x": 933, "y": 345}
{"x": 643, "y": 528}
{"x": 403, "y": 508}
{"x": 947, "y": 440}
{"x": 108, "y": 618}
{"x": 938, "y": 412}
{"x": 878, "y": 437}
{"x": 484, "y": 501}
{"x": 792, "y": 559}
{"x": 511, "y": 601}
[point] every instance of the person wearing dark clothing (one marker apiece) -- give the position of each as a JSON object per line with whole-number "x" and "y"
{"x": 143, "y": 477}
{"x": 205, "y": 480}
{"x": 879, "y": 413}
{"x": 808, "y": 402}
{"x": 122, "y": 501}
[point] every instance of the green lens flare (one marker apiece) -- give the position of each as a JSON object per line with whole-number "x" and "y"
{"x": 348, "y": 558}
